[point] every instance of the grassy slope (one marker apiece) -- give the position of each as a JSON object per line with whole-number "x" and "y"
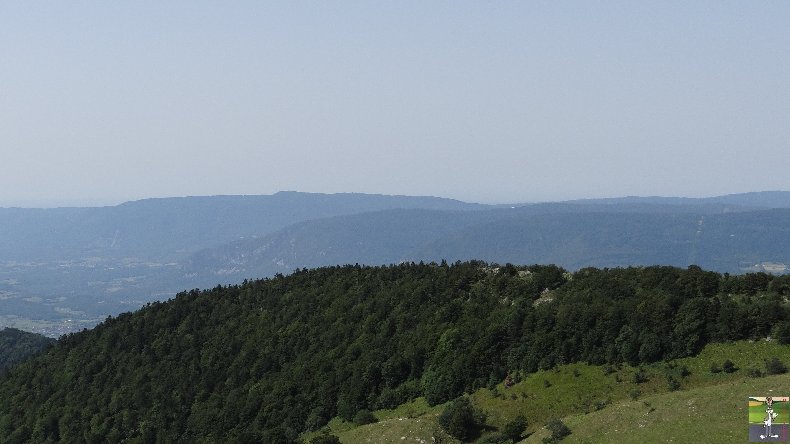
{"x": 414, "y": 421}
{"x": 708, "y": 414}
{"x": 574, "y": 389}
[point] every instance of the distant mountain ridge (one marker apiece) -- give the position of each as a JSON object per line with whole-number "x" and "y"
{"x": 755, "y": 199}
{"x": 570, "y": 236}
{"x": 170, "y": 227}
{"x": 65, "y": 268}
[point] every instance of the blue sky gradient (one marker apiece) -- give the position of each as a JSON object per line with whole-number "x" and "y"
{"x": 480, "y": 101}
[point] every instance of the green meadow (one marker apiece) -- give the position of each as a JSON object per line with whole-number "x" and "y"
{"x": 713, "y": 414}
{"x": 609, "y": 403}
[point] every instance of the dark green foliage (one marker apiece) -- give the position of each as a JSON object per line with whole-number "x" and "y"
{"x": 325, "y": 439}
{"x": 461, "y": 419}
{"x": 495, "y": 439}
{"x": 558, "y": 429}
{"x": 714, "y": 368}
{"x": 364, "y": 416}
{"x": 689, "y": 327}
{"x": 515, "y": 428}
{"x": 780, "y": 285}
{"x": 774, "y": 366}
{"x": 267, "y": 360}
{"x": 17, "y": 345}
{"x": 782, "y": 331}
{"x": 628, "y": 345}
{"x": 672, "y": 383}
{"x": 639, "y": 377}
{"x": 651, "y": 349}
{"x": 754, "y": 372}
{"x": 728, "y": 367}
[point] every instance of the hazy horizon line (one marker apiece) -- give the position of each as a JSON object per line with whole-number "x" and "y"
{"x": 111, "y": 202}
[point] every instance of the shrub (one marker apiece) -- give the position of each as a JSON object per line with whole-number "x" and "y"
{"x": 495, "y": 439}
{"x": 546, "y": 383}
{"x": 729, "y": 367}
{"x": 634, "y": 394}
{"x": 782, "y": 332}
{"x": 714, "y": 368}
{"x": 364, "y": 417}
{"x": 515, "y": 428}
{"x": 672, "y": 383}
{"x": 640, "y": 377}
{"x": 754, "y": 372}
{"x": 600, "y": 404}
{"x": 325, "y": 439}
{"x": 461, "y": 420}
{"x": 774, "y": 366}
{"x": 558, "y": 431}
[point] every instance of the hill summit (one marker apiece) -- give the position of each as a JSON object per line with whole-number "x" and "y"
{"x": 267, "y": 360}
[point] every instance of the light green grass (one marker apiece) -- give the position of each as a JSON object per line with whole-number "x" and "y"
{"x": 418, "y": 407}
{"x": 415, "y": 419}
{"x": 716, "y": 414}
{"x": 569, "y": 394}
{"x": 423, "y": 430}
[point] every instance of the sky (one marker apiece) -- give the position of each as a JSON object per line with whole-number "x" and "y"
{"x": 102, "y": 102}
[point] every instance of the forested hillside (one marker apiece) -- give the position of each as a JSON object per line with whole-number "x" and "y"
{"x": 726, "y": 242}
{"x": 266, "y": 360}
{"x": 17, "y": 345}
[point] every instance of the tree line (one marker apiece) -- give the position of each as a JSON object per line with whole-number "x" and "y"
{"x": 17, "y": 345}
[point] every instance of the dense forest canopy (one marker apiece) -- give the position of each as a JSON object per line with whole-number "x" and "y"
{"x": 17, "y": 345}
{"x": 267, "y": 360}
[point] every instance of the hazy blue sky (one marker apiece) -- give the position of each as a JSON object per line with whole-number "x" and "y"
{"x": 102, "y": 101}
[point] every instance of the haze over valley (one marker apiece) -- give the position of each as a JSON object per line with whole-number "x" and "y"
{"x": 64, "y": 269}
